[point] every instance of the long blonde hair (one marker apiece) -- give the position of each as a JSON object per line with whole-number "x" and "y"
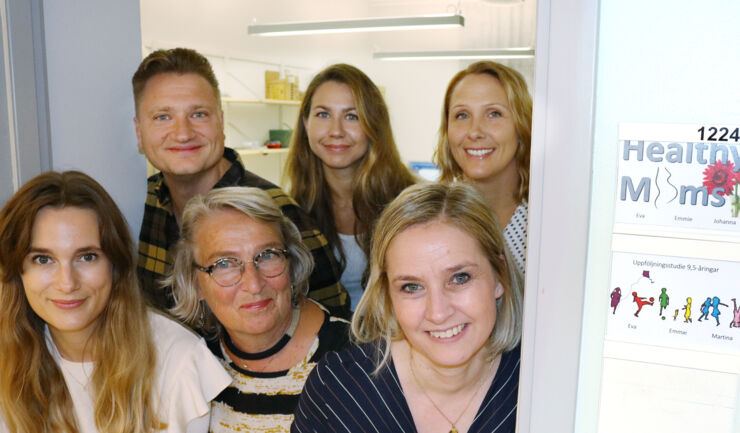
{"x": 33, "y": 394}
{"x": 459, "y": 205}
{"x": 381, "y": 175}
{"x": 520, "y": 103}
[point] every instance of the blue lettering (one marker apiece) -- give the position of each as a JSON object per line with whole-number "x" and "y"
{"x": 655, "y": 151}
{"x": 718, "y": 148}
{"x": 700, "y": 148}
{"x": 694, "y": 195}
{"x": 718, "y": 199}
{"x": 639, "y": 148}
{"x": 644, "y": 185}
{"x": 675, "y": 153}
{"x": 735, "y": 158}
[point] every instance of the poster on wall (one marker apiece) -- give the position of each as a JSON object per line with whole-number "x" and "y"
{"x": 674, "y": 301}
{"x": 681, "y": 178}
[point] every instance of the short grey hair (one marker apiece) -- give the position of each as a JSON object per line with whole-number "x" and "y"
{"x": 254, "y": 203}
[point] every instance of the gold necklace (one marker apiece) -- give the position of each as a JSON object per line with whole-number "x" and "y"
{"x": 70, "y": 373}
{"x": 453, "y": 429}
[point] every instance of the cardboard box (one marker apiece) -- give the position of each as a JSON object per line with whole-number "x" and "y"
{"x": 281, "y": 88}
{"x": 277, "y": 89}
{"x": 270, "y": 76}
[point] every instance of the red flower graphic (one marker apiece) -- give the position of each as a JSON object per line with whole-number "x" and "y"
{"x": 720, "y": 176}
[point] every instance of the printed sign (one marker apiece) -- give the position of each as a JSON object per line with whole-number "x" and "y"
{"x": 674, "y": 301}
{"x": 682, "y": 177}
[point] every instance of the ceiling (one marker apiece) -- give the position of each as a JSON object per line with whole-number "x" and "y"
{"x": 222, "y": 28}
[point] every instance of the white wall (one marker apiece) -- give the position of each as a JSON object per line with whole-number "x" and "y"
{"x": 92, "y": 50}
{"x": 414, "y": 90}
{"x": 662, "y": 61}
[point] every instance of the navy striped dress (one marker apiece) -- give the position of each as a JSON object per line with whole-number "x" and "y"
{"x": 341, "y": 395}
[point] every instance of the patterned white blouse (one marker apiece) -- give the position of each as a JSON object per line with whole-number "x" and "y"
{"x": 515, "y": 235}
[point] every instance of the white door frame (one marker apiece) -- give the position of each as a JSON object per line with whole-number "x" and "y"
{"x": 560, "y": 188}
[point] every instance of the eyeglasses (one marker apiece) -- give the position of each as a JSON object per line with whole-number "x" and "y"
{"x": 228, "y": 271}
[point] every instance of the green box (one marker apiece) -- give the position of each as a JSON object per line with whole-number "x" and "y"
{"x": 281, "y": 135}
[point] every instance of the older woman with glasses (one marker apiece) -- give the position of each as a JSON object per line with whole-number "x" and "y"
{"x": 240, "y": 276}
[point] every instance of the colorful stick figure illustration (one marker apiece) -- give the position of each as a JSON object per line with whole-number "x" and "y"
{"x": 735, "y": 323}
{"x": 705, "y": 309}
{"x": 687, "y": 314}
{"x": 646, "y": 274}
{"x": 616, "y": 296}
{"x": 663, "y": 300}
{"x": 715, "y": 308}
{"x": 641, "y": 302}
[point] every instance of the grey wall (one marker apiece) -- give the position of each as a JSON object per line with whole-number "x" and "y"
{"x": 6, "y": 165}
{"x": 24, "y": 144}
{"x": 92, "y": 48}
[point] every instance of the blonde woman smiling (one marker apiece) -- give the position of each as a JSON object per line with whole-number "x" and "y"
{"x": 484, "y": 140}
{"x": 438, "y": 326}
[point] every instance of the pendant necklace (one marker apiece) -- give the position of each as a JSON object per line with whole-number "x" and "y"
{"x": 453, "y": 429}
{"x": 69, "y": 373}
{"x": 270, "y": 351}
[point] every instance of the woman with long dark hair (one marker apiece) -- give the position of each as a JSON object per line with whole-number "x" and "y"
{"x": 343, "y": 165}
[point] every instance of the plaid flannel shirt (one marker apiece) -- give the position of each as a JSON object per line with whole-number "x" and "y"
{"x": 160, "y": 233}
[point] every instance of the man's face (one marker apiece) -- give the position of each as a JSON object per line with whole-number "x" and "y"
{"x": 179, "y": 125}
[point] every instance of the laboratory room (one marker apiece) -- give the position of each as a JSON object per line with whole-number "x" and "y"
{"x": 548, "y": 187}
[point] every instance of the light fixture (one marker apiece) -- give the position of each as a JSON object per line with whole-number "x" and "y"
{"x": 501, "y": 53}
{"x": 358, "y": 25}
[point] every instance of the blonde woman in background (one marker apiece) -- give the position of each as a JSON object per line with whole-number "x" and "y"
{"x": 438, "y": 326}
{"x": 81, "y": 351}
{"x": 484, "y": 140}
{"x": 343, "y": 165}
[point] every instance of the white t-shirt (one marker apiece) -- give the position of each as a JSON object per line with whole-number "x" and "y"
{"x": 356, "y": 262}
{"x": 188, "y": 377}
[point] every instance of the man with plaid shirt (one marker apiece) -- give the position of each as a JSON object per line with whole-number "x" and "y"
{"x": 179, "y": 126}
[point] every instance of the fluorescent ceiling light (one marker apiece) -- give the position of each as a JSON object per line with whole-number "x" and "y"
{"x": 503, "y": 53}
{"x": 358, "y": 25}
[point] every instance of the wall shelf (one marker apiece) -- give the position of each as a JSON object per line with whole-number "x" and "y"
{"x": 261, "y": 151}
{"x": 261, "y": 101}
{"x": 266, "y": 163}
{"x": 244, "y": 127}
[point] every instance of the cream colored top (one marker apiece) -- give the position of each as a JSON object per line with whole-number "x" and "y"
{"x": 188, "y": 378}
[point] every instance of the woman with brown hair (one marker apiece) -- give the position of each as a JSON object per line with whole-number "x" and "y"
{"x": 81, "y": 351}
{"x": 484, "y": 140}
{"x": 343, "y": 164}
